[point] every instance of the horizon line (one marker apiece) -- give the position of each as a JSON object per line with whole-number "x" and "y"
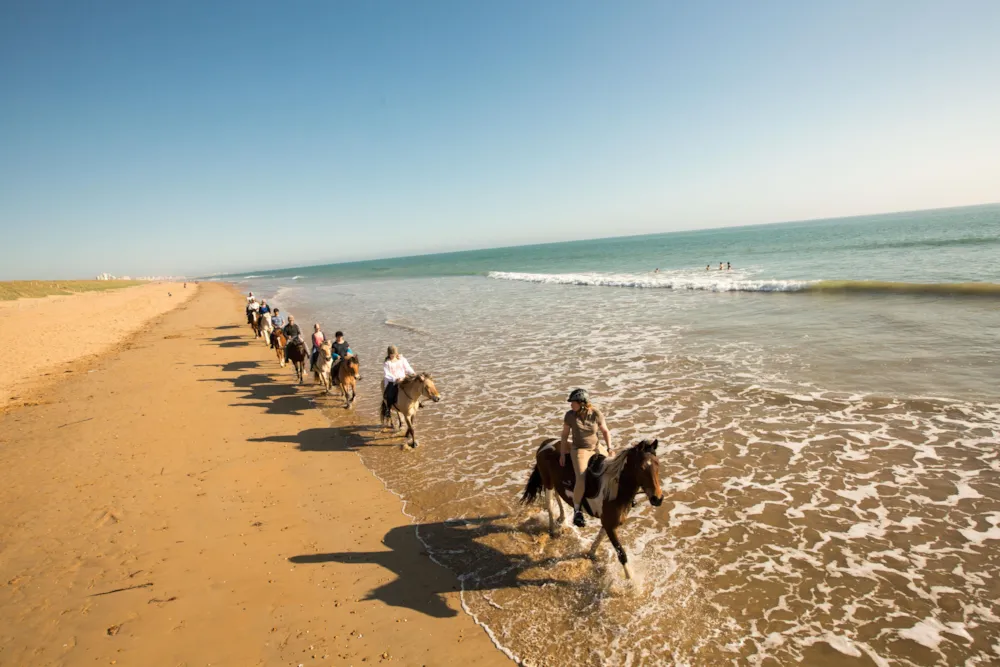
{"x": 593, "y": 238}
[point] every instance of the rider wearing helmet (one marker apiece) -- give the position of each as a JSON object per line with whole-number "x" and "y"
{"x": 584, "y": 421}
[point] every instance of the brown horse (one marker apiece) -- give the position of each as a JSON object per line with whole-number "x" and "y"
{"x": 278, "y": 342}
{"x": 346, "y": 374}
{"x": 612, "y": 485}
{"x": 324, "y": 362}
{"x": 406, "y": 402}
{"x": 256, "y": 323}
{"x": 297, "y": 354}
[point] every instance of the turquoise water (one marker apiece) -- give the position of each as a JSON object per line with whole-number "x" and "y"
{"x": 830, "y": 446}
{"x": 940, "y": 246}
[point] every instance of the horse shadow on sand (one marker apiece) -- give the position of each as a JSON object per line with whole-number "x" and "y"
{"x": 421, "y": 586}
{"x": 334, "y": 439}
{"x": 259, "y": 390}
{"x": 227, "y": 326}
{"x": 233, "y": 366}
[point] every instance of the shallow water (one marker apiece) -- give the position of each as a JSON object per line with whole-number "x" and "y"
{"x": 830, "y": 461}
{"x": 817, "y": 508}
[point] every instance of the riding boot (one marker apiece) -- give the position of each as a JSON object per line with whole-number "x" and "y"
{"x": 578, "y": 519}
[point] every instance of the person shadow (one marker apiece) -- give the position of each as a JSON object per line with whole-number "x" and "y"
{"x": 421, "y": 586}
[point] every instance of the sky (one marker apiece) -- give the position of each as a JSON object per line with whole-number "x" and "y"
{"x": 192, "y": 137}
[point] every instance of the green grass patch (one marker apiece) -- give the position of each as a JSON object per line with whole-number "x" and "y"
{"x": 31, "y": 289}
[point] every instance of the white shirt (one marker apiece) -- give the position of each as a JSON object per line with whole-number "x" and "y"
{"x": 395, "y": 370}
{"x": 254, "y": 305}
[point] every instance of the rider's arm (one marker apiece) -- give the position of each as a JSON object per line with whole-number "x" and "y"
{"x": 406, "y": 366}
{"x": 389, "y": 377}
{"x": 607, "y": 435}
{"x": 564, "y": 441}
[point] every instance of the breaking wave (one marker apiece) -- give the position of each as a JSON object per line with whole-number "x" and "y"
{"x": 742, "y": 284}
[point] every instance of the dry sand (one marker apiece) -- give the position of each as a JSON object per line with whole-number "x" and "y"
{"x": 52, "y": 331}
{"x": 184, "y": 504}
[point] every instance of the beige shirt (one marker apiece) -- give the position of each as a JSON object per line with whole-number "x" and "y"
{"x": 584, "y": 430}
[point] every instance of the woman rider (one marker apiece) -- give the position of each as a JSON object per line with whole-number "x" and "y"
{"x": 584, "y": 421}
{"x": 318, "y": 338}
{"x": 395, "y": 368}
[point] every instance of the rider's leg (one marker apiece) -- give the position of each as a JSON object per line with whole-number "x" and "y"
{"x": 580, "y": 458}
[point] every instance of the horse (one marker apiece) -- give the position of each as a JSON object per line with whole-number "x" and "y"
{"x": 409, "y": 391}
{"x": 250, "y": 313}
{"x": 612, "y": 485}
{"x": 256, "y": 324}
{"x": 324, "y": 362}
{"x": 278, "y": 342}
{"x": 346, "y": 374}
{"x": 297, "y": 354}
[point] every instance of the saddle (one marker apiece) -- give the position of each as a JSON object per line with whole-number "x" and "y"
{"x": 592, "y": 485}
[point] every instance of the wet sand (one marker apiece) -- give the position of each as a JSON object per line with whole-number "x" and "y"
{"x": 182, "y": 502}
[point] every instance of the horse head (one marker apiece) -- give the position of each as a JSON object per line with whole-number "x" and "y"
{"x": 648, "y": 475}
{"x": 354, "y": 365}
{"x": 427, "y": 387}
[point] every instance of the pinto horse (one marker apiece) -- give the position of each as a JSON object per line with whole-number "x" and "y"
{"x": 406, "y": 402}
{"x": 297, "y": 354}
{"x": 612, "y": 485}
{"x": 278, "y": 342}
{"x": 345, "y": 375}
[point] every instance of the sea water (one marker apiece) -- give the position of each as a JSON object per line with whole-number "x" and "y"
{"x": 828, "y": 412}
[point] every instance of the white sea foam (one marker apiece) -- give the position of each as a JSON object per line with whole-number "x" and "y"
{"x": 675, "y": 281}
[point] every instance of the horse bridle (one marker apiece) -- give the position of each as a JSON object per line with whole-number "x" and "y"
{"x": 404, "y": 393}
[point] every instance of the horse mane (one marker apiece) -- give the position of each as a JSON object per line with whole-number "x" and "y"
{"x": 612, "y": 474}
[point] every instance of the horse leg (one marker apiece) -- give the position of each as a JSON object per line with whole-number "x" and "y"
{"x": 552, "y": 514}
{"x": 622, "y": 558}
{"x": 597, "y": 543}
{"x": 411, "y": 433}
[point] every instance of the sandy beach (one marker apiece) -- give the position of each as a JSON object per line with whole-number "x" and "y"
{"x": 177, "y": 500}
{"x": 54, "y": 331}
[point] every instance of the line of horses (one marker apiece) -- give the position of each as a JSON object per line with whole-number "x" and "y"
{"x": 612, "y": 484}
{"x": 345, "y": 373}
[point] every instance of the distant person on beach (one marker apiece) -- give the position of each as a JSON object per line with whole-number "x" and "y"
{"x": 657, "y": 270}
{"x": 720, "y": 266}
{"x": 341, "y": 348}
{"x": 318, "y": 338}
{"x": 708, "y": 267}
{"x": 584, "y": 422}
{"x": 249, "y": 297}
{"x": 729, "y": 267}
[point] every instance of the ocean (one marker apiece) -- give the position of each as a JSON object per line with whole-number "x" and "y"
{"x": 828, "y": 412}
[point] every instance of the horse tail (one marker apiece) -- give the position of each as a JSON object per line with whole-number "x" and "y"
{"x": 533, "y": 487}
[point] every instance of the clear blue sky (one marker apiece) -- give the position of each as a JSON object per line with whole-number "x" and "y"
{"x": 193, "y": 136}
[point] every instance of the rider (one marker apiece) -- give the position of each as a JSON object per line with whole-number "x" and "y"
{"x": 264, "y": 308}
{"x": 318, "y": 338}
{"x": 341, "y": 348}
{"x": 277, "y": 322}
{"x": 249, "y": 297}
{"x": 293, "y": 333}
{"x": 584, "y": 421}
{"x": 395, "y": 368}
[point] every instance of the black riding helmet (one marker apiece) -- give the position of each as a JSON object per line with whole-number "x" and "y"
{"x": 579, "y": 395}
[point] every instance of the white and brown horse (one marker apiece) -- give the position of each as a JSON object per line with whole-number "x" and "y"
{"x": 612, "y": 485}
{"x": 407, "y": 401}
{"x": 345, "y": 375}
{"x": 324, "y": 363}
